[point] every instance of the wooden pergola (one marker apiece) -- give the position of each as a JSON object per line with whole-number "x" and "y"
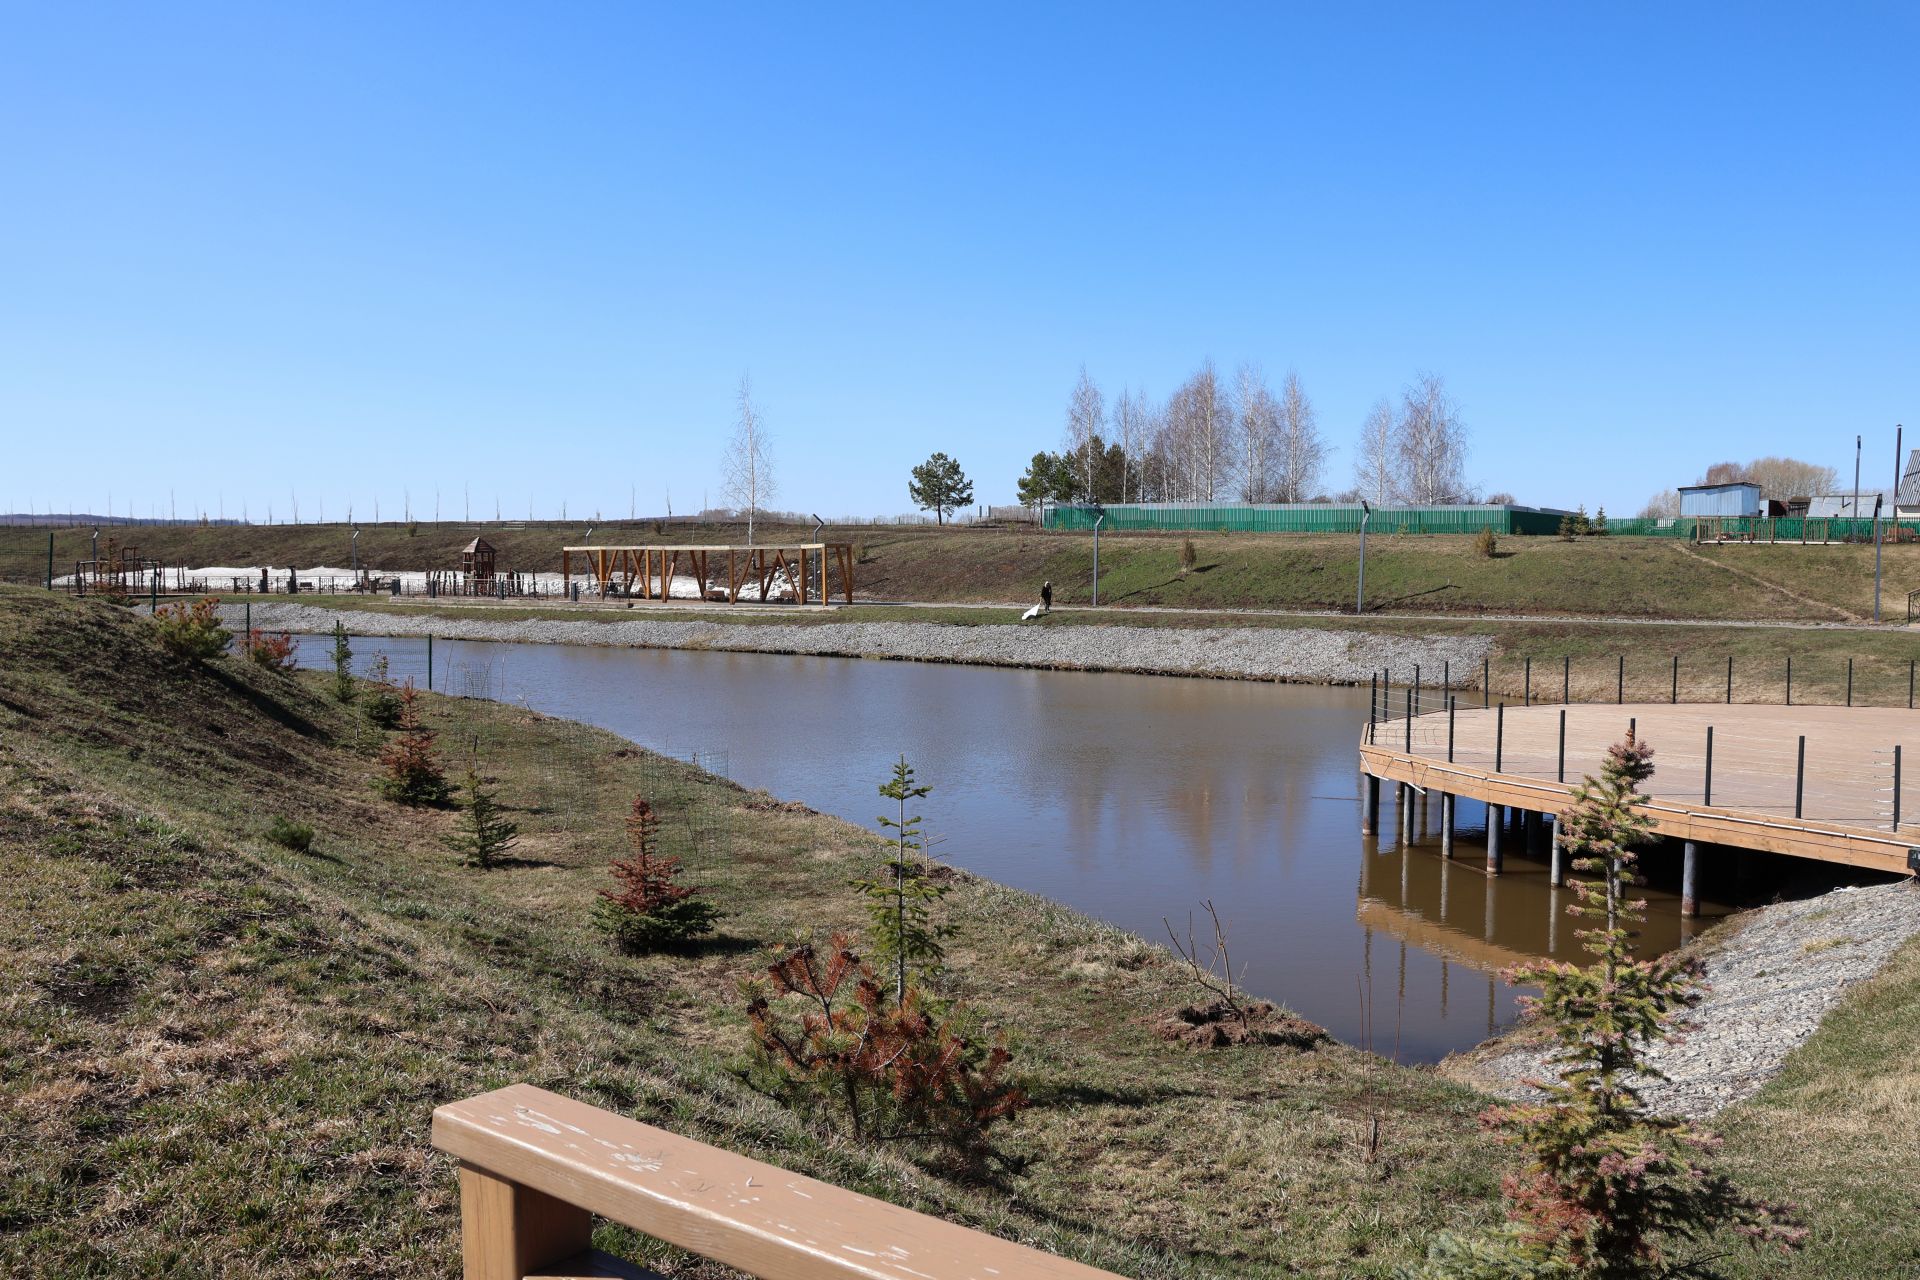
{"x": 721, "y": 572}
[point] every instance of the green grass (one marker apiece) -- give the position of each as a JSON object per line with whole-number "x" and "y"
{"x": 1622, "y": 577}
{"x": 219, "y": 1055}
{"x": 214, "y": 1048}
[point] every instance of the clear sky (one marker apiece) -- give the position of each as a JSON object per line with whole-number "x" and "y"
{"x": 347, "y": 249}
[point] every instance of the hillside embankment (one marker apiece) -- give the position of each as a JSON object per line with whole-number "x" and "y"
{"x": 1641, "y": 578}
{"x": 214, "y": 1047}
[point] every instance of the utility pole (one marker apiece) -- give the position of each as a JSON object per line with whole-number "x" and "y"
{"x": 1878, "y": 499}
{"x": 1856, "y": 488}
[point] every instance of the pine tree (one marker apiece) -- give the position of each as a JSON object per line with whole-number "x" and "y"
{"x": 1610, "y": 1188}
{"x": 413, "y": 775}
{"x": 938, "y": 485}
{"x": 483, "y": 835}
{"x": 342, "y": 665}
{"x": 900, "y": 901}
{"x": 649, "y": 910}
{"x": 1600, "y": 522}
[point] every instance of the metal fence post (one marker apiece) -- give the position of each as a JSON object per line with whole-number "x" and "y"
{"x": 1707, "y": 794}
{"x": 1896, "y": 786}
{"x": 1409, "y": 721}
{"x": 1486, "y": 682}
{"x": 1675, "y": 698}
{"x": 1563, "y": 744}
{"x": 1499, "y": 734}
{"x": 1620, "y": 682}
{"x": 429, "y": 662}
{"x": 1789, "y": 679}
{"x": 1729, "y": 679}
{"x": 1526, "y": 698}
{"x": 1449, "y": 730}
{"x": 1416, "y": 689}
{"x": 1849, "y": 681}
{"x": 1566, "y": 678}
{"x": 1800, "y": 780}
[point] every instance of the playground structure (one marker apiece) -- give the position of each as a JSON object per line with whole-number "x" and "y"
{"x": 799, "y": 571}
{"x": 122, "y": 570}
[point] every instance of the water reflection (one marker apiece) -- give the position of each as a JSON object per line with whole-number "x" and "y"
{"x": 1131, "y": 798}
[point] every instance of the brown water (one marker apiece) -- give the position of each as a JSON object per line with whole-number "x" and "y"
{"x": 1130, "y": 798}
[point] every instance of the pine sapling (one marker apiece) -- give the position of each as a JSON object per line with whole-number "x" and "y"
{"x": 343, "y": 689}
{"x": 907, "y": 941}
{"x": 1610, "y": 1189}
{"x": 484, "y": 836}
{"x": 412, "y": 769}
{"x": 649, "y": 910}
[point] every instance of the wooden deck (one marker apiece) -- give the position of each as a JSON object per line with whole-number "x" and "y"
{"x": 1844, "y": 812}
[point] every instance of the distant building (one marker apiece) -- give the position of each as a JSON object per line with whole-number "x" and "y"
{"x": 1907, "y": 500}
{"x": 1741, "y": 498}
{"x": 1839, "y": 506}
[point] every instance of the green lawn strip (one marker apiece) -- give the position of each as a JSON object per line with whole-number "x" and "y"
{"x": 1838, "y": 1133}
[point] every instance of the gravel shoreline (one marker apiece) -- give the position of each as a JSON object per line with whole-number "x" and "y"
{"x": 1771, "y": 982}
{"x": 1306, "y": 655}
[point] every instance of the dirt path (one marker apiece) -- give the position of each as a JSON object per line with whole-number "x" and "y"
{"x": 1769, "y": 584}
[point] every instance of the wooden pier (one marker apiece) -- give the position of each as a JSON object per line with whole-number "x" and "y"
{"x": 648, "y": 572}
{"x": 1817, "y": 782}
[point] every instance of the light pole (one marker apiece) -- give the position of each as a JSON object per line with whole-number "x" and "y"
{"x": 1877, "y": 500}
{"x": 1853, "y": 524}
{"x": 1360, "y": 596}
{"x": 1097, "y": 522}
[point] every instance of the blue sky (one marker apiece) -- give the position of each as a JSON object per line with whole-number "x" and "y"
{"x": 348, "y": 249}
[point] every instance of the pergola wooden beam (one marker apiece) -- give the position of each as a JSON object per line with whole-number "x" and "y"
{"x": 806, "y": 567}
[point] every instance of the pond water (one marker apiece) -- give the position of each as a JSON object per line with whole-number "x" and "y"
{"x": 1130, "y": 798}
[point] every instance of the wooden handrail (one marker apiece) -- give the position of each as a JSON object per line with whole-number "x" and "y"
{"x": 534, "y": 1167}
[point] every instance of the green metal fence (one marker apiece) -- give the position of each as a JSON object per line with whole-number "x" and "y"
{"x": 1340, "y": 517}
{"x": 1317, "y": 517}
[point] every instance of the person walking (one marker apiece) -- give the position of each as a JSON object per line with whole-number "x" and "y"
{"x": 1046, "y": 597}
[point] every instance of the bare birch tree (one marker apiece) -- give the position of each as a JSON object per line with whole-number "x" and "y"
{"x": 747, "y": 468}
{"x": 1131, "y": 422}
{"x": 1086, "y": 416}
{"x": 1431, "y": 447}
{"x": 1258, "y": 431}
{"x": 1374, "y": 467}
{"x": 1302, "y": 454}
{"x": 1199, "y": 434}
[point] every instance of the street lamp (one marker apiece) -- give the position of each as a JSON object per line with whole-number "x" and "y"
{"x": 1098, "y": 520}
{"x": 1360, "y": 597}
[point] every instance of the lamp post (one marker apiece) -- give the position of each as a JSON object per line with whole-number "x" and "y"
{"x": 1877, "y": 500}
{"x": 1360, "y": 596}
{"x": 1098, "y": 520}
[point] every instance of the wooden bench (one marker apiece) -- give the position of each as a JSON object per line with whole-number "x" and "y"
{"x": 536, "y": 1167}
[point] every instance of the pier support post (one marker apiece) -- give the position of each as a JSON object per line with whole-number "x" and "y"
{"x": 1557, "y": 869}
{"x": 1403, "y": 811}
{"x": 1446, "y": 825}
{"x": 1536, "y": 833}
{"x": 1690, "y": 880}
{"x": 1370, "y": 806}
{"x": 1496, "y": 819}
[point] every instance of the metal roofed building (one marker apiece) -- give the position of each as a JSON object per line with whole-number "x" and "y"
{"x": 1740, "y": 498}
{"x": 1839, "y": 506}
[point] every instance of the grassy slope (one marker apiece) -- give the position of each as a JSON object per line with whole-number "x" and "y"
{"x": 1630, "y": 577}
{"x": 212, "y": 1048}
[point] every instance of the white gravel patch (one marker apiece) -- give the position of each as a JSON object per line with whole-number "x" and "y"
{"x": 1770, "y": 985}
{"x": 1305, "y": 655}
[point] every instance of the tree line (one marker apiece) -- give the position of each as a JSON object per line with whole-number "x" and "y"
{"x": 1220, "y": 440}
